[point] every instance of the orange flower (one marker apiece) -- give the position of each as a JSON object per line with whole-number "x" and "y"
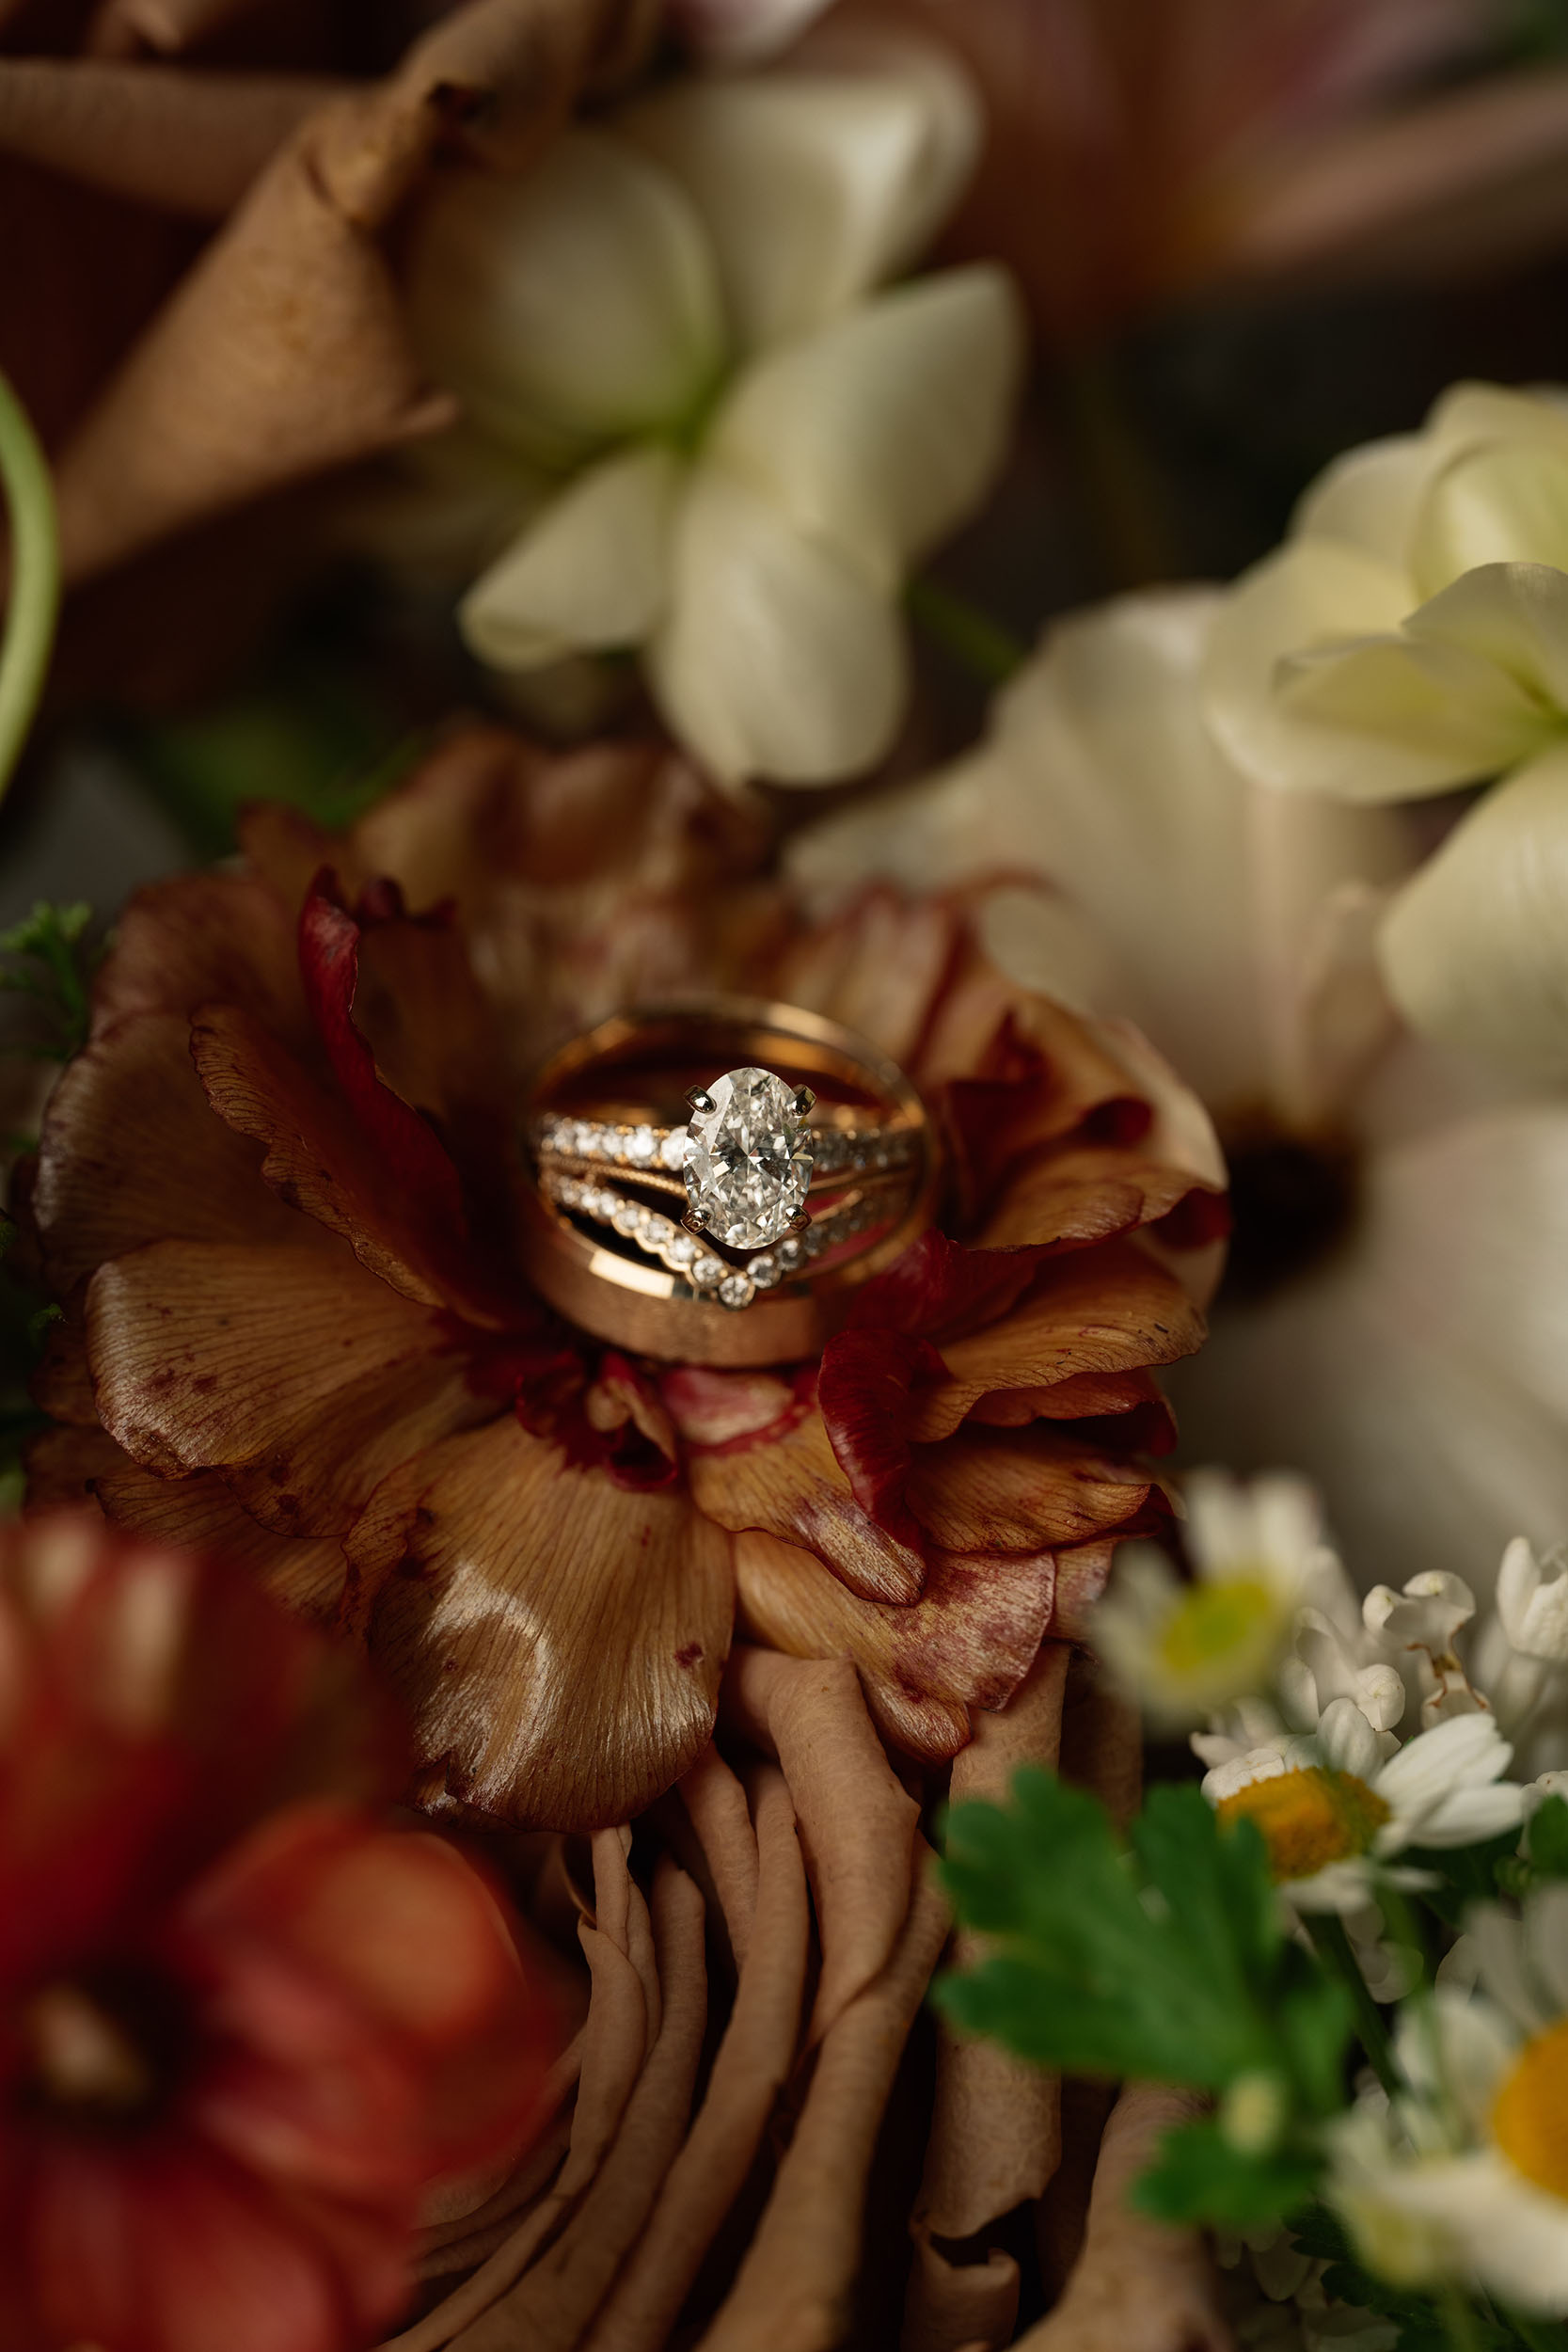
{"x": 243, "y": 2026}
{"x": 275, "y": 1196}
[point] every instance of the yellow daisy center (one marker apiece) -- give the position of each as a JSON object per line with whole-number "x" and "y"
{"x": 1211, "y": 1621}
{"x": 1309, "y": 1818}
{"x": 1530, "y": 2115}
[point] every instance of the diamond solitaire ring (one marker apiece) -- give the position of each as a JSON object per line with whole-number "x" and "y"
{"x": 803, "y": 1166}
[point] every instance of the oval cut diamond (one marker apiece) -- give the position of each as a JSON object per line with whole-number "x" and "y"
{"x": 749, "y": 1159}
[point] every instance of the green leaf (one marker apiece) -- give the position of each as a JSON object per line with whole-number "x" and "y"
{"x": 1546, "y": 1840}
{"x": 1198, "y": 2176}
{"x": 1163, "y": 1959}
{"x": 51, "y": 962}
{"x": 1465, "y": 1874}
{"x": 1319, "y": 2233}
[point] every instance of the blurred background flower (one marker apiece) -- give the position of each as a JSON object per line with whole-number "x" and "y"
{"x": 245, "y": 2025}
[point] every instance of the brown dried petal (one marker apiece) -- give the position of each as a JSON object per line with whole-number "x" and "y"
{"x": 202, "y": 1515}
{"x": 752, "y": 2063}
{"x": 557, "y": 1640}
{"x": 1107, "y": 1311}
{"x": 552, "y": 2304}
{"x": 130, "y": 1152}
{"x": 966, "y": 1643}
{"x": 792, "y": 2293}
{"x": 859, "y": 1828}
{"x": 716, "y": 1802}
{"x": 218, "y": 1356}
{"x": 1137, "y": 2286}
{"x": 186, "y": 142}
{"x": 226, "y": 938}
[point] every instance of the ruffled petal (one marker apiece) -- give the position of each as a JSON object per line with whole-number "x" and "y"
{"x": 590, "y": 572}
{"x": 556, "y": 1640}
{"x": 968, "y": 1642}
{"x": 1471, "y": 946}
{"x": 777, "y": 657}
{"x": 571, "y": 305}
{"x": 880, "y": 433}
{"x": 813, "y": 183}
{"x": 1311, "y": 593}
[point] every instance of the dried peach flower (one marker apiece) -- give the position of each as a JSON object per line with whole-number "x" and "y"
{"x": 274, "y": 1195}
{"x": 244, "y": 2025}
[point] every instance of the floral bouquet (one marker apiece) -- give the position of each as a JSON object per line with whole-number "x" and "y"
{"x": 650, "y": 1163}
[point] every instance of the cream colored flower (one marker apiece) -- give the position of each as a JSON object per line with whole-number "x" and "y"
{"x": 682, "y": 323}
{"x": 1466, "y": 2177}
{"x": 1412, "y": 636}
{"x": 1185, "y": 1651}
{"x": 1335, "y": 1811}
{"x": 1395, "y": 1320}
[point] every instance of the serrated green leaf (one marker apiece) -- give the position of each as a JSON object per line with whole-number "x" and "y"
{"x": 1163, "y": 1959}
{"x": 1198, "y": 2176}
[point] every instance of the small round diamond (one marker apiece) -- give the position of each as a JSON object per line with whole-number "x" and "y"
{"x": 671, "y": 1152}
{"x": 736, "y": 1289}
{"x": 790, "y": 1255}
{"x": 641, "y": 1146}
{"x": 707, "y": 1271}
{"x": 764, "y": 1272}
{"x": 681, "y": 1250}
{"x": 624, "y": 1218}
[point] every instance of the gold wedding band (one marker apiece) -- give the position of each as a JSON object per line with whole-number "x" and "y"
{"x": 804, "y": 1160}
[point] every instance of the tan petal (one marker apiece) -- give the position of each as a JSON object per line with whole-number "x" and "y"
{"x": 318, "y": 1160}
{"x": 967, "y": 1642}
{"x": 553, "y": 2304}
{"x": 285, "y": 350}
{"x": 1136, "y": 2284}
{"x": 795, "y": 2283}
{"x": 224, "y": 937}
{"x": 958, "y": 2303}
{"x": 877, "y": 968}
{"x": 716, "y": 1803}
{"x": 858, "y": 1825}
{"x": 774, "y": 1468}
{"x": 752, "y": 2063}
{"x": 122, "y": 27}
{"x": 65, "y": 1464}
{"x": 996, "y": 2129}
{"x": 203, "y": 1514}
{"x": 130, "y": 1152}
{"x": 270, "y": 1363}
{"x": 282, "y": 354}
{"x": 1104, "y": 1312}
{"x": 186, "y": 142}
{"x": 556, "y": 1640}
{"x": 1019, "y": 1493}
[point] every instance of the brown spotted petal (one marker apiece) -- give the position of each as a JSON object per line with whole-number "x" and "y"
{"x": 758, "y": 1456}
{"x": 206, "y": 938}
{"x": 291, "y": 1371}
{"x": 966, "y": 1643}
{"x": 202, "y": 1514}
{"x": 557, "y": 1639}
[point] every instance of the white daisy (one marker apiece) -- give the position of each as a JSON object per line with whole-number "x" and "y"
{"x": 1335, "y": 1811}
{"x": 1465, "y": 2176}
{"x": 1185, "y": 1651}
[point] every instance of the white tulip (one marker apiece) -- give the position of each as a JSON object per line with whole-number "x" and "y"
{"x": 685, "y": 316}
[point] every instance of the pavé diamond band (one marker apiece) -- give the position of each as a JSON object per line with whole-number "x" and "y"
{"x": 805, "y": 1164}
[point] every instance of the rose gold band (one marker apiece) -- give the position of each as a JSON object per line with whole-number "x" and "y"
{"x": 602, "y": 1242}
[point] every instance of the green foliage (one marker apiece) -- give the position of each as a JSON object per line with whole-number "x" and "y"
{"x": 1545, "y": 1854}
{"x": 47, "y": 956}
{"x": 1464, "y": 1874}
{"x": 307, "y": 736}
{"x": 1201, "y": 2176}
{"x": 1162, "y": 1959}
{"x": 1422, "y": 2323}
